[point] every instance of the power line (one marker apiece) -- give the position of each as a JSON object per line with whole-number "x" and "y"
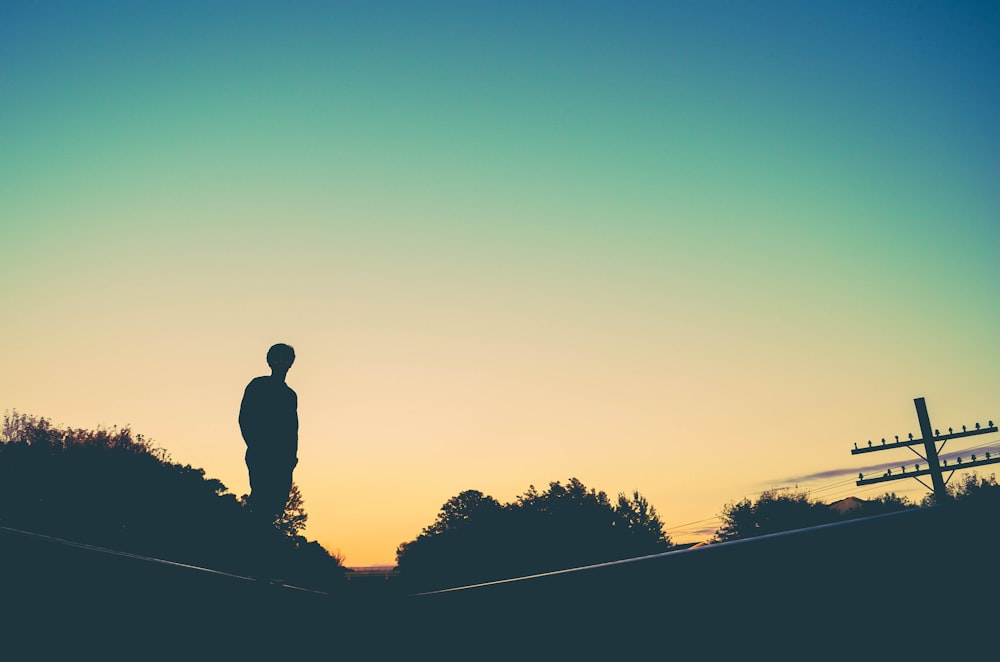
{"x": 681, "y": 526}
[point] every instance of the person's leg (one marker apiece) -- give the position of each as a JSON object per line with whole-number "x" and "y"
{"x": 268, "y": 498}
{"x": 269, "y": 490}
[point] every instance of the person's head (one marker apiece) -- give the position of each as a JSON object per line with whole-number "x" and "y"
{"x": 280, "y": 357}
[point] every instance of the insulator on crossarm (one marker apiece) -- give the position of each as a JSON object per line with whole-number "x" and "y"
{"x": 949, "y": 430}
{"x": 977, "y": 425}
{"x": 911, "y": 436}
{"x": 883, "y": 441}
{"x": 963, "y": 428}
{"x": 937, "y": 433}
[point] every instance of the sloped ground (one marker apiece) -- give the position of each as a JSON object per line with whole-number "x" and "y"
{"x": 919, "y": 584}
{"x": 67, "y": 601}
{"x": 916, "y": 585}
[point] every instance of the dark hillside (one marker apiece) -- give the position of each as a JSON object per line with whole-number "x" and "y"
{"x": 910, "y": 583}
{"x": 66, "y": 600}
{"x": 115, "y": 489}
{"x": 919, "y": 584}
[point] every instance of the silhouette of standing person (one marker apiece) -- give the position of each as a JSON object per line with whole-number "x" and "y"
{"x": 269, "y": 421}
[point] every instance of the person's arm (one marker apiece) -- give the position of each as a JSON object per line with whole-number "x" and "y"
{"x": 295, "y": 416}
{"x": 248, "y": 411}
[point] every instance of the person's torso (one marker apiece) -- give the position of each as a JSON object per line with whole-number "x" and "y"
{"x": 272, "y": 414}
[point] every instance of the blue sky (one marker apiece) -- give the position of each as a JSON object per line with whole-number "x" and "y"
{"x": 511, "y": 242}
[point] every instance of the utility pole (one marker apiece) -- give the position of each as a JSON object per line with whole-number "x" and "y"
{"x": 930, "y": 447}
{"x": 929, "y": 439}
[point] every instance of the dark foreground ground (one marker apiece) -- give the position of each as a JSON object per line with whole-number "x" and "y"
{"x": 920, "y": 585}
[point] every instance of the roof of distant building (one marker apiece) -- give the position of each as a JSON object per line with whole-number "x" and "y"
{"x": 850, "y": 503}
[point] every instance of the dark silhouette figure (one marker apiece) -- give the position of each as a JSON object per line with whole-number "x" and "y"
{"x": 269, "y": 422}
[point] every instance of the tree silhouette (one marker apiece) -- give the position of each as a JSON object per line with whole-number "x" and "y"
{"x": 292, "y": 521}
{"x": 476, "y": 539}
{"x": 738, "y": 521}
{"x": 641, "y": 520}
{"x": 884, "y": 503}
{"x": 974, "y": 490}
{"x": 458, "y": 511}
{"x": 466, "y": 534}
{"x": 773, "y": 512}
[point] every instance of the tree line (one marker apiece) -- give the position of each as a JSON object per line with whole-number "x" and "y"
{"x": 115, "y": 488}
{"x": 774, "y": 511}
{"x": 475, "y": 538}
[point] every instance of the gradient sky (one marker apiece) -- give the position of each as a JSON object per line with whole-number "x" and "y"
{"x": 694, "y": 249}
